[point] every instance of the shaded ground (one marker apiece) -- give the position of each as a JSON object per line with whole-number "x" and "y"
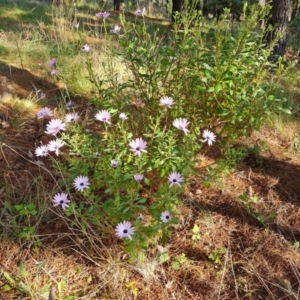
{"x": 245, "y": 249}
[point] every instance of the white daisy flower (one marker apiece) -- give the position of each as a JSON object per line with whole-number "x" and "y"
{"x": 42, "y": 151}
{"x": 137, "y": 146}
{"x": 114, "y": 163}
{"x": 208, "y": 137}
{"x": 116, "y": 29}
{"x": 55, "y": 126}
{"x": 166, "y": 101}
{"x": 124, "y": 230}
{"x": 103, "y": 116}
{"x": 181, "y": 124}
{"x": 123, "y": 116}
{"x": 55, "y": 145}
{"x": 61, "y": 199}
{"x": 175, "y": 179}
{"x": 165, "y": 216}
{"x": 71, "y": 117}
{"x": 81, "y": 183}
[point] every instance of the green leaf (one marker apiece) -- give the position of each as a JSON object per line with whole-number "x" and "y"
{"x": 176, "y": 265}
{"x": 23, "y": 271}
{"x": 196, "y": 229}
{"x": 206, "y": 66}
{"x": 6, "y": 288}
{"x": 147, "y": 181}
{"x": 217, "y": 88}
{"x": 61, "y": 285}
{"x": 164, "y": 257}
{"x": 7, "y": 276}
{"x": 89, "y": 279}
{"x": 24, "y": 287}
{"x": 165, "y": 62}
{"x": 45, "y": 289}
{"x": 285, "y": 110}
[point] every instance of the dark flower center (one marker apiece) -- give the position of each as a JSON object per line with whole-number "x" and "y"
{"x": 61, "y": 201}
{"x": 104, "y": 119}
{"x": 174, "y": 180}
{"x": 72, "y": 119}
{"x": 125, "y": 231}
{"x": 82, "y": 184}
{"x": 167, "y": 217}
{"x": 137, "y": 148}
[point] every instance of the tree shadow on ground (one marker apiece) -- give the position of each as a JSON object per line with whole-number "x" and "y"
{"x": 275, "y": 182}
{"x": 27, "y": 14}
{"x": 24, "y": 84}
{"x": 288, "y": 185}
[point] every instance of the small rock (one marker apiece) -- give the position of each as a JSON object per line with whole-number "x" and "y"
{"x": 3, "y": 79}
{"x": 6, "y": 97}
{"x": 10, "y": 87}
{"x": 198, "y": 192}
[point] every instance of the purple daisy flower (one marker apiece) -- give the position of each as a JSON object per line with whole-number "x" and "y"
{"x": 103, "y": 116}
{"x": 208, "y": 137}
{"x": 42, "y": 96}
{"x": 140, "y": 103}
{"x": 181, "y": 124}
{"x": 44, "y": 112}
{"x": 165, "y": 216}
{"x": 102, "y": 15}
{"x": 52, "y": 63}
{"x": 42, "y": 151}
{"x": 70, "y": 104}
{"x": 138, "y": 177}
{"x": 55, "y": 145}
{"x": 124, "y": 230}
{"x": 81, "y": 183}
{"x": 61, "y": 199}
{"x": 137, "y": 146}
{"x": 55, "y": 126}
{"x": 54, "y": 72}
{"x": 141, "y": 12}
{"x": 175, "y": 179}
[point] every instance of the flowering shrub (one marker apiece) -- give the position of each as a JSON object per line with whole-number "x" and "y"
{"x": 131, "y": 164}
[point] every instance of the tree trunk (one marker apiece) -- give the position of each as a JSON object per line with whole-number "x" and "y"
{"x": 280, "y": 17}
{"x": 58, "y": 2}
{"x": 176, "y": 8}
{"x": 296, "y": 10}
{"x": 117, "y": 5}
